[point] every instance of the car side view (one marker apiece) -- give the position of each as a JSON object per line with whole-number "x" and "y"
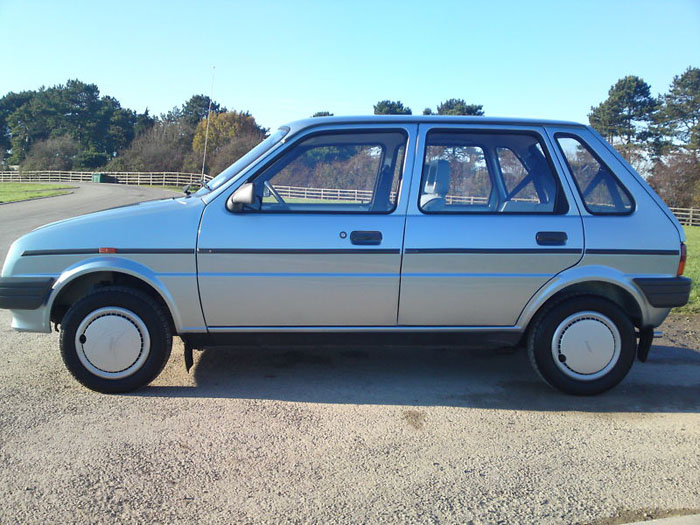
{"x": 483, "y": 231}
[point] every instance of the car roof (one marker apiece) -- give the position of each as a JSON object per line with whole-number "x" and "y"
{"x": 299, "y": 125}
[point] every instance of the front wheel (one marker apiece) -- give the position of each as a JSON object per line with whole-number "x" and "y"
{"x": 582, "y": 345}
{"x": 115, "y": 339}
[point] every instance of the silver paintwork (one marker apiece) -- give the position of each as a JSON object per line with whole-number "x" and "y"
{"x": 478, "y": 289}
{"x": 169, "y": 223}
{"x": 339, "y": 291}
{"x": 112, "y": 343}
{"x": 301, "y": 289}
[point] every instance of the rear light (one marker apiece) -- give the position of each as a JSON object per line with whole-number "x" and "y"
{"x": 681, "y": 263}
{"x": 107, "y": 250}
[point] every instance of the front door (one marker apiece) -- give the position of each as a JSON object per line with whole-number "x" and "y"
{"x": 321, "y": 245}
{"x": 488, "y": 224}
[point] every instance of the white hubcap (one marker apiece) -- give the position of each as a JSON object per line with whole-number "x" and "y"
{"x": 586, "y": 345}
{"x": 112, "y": 342}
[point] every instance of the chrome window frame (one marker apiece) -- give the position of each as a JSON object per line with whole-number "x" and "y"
{"x": 562, "y": 206}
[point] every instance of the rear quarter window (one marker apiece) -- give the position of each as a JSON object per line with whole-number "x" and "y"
{"x": 600, "y": 190}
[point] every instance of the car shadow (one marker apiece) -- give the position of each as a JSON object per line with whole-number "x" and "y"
{"x": 428, "y": 376}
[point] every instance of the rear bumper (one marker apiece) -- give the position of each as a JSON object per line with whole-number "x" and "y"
{"x": 665, "y": 292}
{"x": 24, "y": 293}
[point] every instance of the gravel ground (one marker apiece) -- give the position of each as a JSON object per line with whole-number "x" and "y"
{"x": 342, "y": 434}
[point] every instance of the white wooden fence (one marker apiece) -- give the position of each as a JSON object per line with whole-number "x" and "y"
{"x": 140, "y": 178}
{"x": 339, "y": 194}
{"x": 686, "y": 216}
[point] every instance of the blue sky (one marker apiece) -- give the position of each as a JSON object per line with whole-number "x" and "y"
{"x": 283, "y": 60}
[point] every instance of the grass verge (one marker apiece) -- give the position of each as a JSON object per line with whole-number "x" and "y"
{"x": 692, "y": 270}
{"x": 21, "y": 191}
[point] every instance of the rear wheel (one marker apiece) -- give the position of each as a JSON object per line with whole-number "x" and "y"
{"x": 115, "y": 339}
{"x": 582, "y": 345}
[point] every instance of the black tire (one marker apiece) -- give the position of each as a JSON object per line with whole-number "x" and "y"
{"x": 135, "y": 302}
{"x": 541, "y": 348}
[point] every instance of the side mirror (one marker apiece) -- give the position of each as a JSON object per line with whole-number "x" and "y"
{"x": 242, "y": 196}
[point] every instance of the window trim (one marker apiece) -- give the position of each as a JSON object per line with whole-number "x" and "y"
{"x": 594, "y": 154}
{"x": 561, "y": 203}
{"x": 367, "y": 131}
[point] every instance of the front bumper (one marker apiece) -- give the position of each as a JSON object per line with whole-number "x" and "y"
{"x": 665, "y": 292}
{"x": 24, "y": 293}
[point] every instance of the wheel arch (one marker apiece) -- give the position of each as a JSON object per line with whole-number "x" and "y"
{"x": 76, "y": 282}
{"x": 600, "y": 282}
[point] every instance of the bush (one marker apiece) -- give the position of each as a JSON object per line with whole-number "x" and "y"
{"x": 90, "y": 160}
{"x": 56, "y": 153}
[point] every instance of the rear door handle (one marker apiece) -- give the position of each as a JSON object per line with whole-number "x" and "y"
{"x": 551, "y": 238}
{"x": 365, "y": 237}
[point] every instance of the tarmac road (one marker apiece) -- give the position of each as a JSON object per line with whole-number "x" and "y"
{"x": 339, "y": 434}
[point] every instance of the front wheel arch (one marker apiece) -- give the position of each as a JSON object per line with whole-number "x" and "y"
{"x": 86, "y": 283}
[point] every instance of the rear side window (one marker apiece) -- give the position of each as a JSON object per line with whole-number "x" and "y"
{"x": 479, "y": 172}
{"x": 601, "y": 192}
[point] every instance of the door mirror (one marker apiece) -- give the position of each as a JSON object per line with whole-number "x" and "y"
{"x": 242, "y": 196}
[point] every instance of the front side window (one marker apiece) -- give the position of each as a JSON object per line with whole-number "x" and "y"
{"x": 601, "y": 192}
{"x": 355, "y": 172}
{"x": 467, "y": 172}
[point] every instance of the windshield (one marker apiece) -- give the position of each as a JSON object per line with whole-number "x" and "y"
{"x": 248, "y": 158}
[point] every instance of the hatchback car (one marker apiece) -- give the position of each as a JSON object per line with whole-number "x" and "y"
{"x": 486, "y": 231}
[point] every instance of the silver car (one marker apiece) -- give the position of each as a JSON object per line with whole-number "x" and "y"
{"x": 471, "y": 230}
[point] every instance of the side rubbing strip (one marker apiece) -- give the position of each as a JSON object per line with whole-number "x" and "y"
{"x": 155, "y": 250}
{"x": 350, "y": 251}
{"x": 88, "y": 251}
{"x": 493, "y": 250}
{"x": 30, "y": 253}
{"x": 594, "y": 251}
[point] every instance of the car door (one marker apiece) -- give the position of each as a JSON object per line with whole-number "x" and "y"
{"x": 321, "y": 245}
{"x": 489, "y": 222}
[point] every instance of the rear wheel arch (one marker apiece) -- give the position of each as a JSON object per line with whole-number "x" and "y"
{"x": 603, "y": 289}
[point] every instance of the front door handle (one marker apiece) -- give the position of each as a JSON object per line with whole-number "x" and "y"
{"x": 551, "y": 238}
{"x": 366, "y": 237}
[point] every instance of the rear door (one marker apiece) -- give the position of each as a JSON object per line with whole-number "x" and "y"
{"x": 322, "y": 244}
{"x": 489, "y": 222}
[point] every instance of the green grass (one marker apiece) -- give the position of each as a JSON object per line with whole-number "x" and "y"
{"x": 20, "y": 191}
{"x": 692, "y": 270}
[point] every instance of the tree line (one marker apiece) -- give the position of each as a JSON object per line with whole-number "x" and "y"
{"x": 73, "y": 126}
{"x": 452, "y": 106}
{"x": 658, "y": 135}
